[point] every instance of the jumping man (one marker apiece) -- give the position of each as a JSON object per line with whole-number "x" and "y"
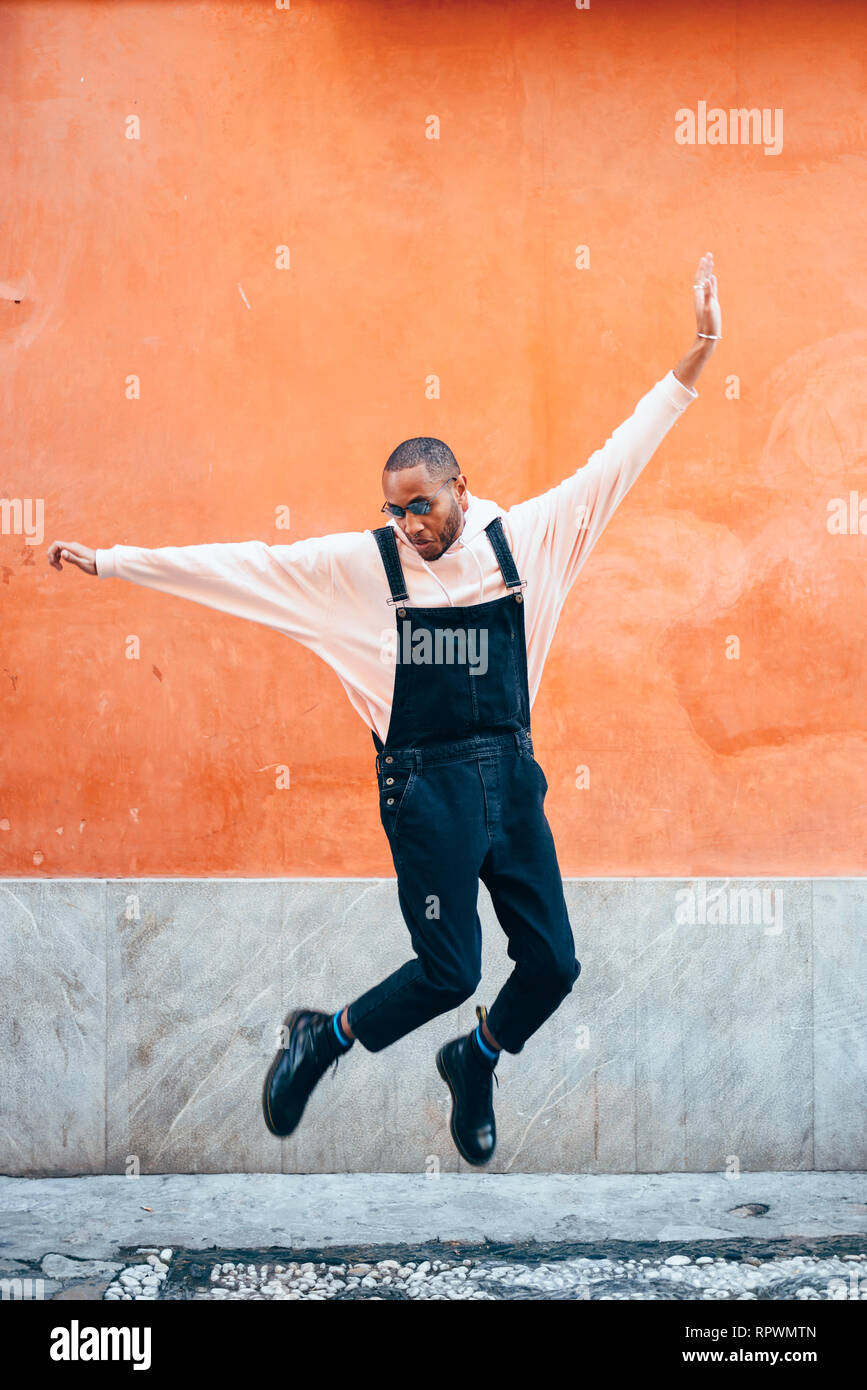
{"x": 466, "y": 597}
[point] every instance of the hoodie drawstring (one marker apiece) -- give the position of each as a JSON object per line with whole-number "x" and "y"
{"x": 438, "y": 580}
{"x": 435, "y": 576}
{"x": 481, "y": 571}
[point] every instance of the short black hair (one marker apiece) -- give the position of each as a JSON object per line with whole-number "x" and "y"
{"x": 436, "y": 456}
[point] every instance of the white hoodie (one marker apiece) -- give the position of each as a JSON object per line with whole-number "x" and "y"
{"x": 330, "y": 593}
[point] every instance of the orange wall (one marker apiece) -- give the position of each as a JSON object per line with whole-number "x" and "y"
{"x": 410, "y": 256}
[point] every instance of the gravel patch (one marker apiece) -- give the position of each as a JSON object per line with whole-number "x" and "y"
{"x": 142, "y": 1281}
{"x": 650, "y": 1277}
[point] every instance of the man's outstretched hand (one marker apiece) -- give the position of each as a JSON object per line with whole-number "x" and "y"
{"x": 79, "y": 555}
{"x": 708, "y": 318}
{"x": 708, "y": 323}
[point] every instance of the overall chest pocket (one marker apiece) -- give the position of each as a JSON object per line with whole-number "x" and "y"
{"x": 498, "y": 690}
{"x": 395, "y": 787}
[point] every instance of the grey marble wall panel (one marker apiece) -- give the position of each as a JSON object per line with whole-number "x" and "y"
{"x": 839, "y": 1034}
{"x": 193, "y": 989}
{"x": 724, "y": 1071}
{"x": 138, "y": 1019}
{"x": 52, "y": 1027}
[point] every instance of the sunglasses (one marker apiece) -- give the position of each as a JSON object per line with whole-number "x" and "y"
{"x": 421, "y": 507}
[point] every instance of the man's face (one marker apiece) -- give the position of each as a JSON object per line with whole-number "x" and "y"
{"x": 433, "y": 533}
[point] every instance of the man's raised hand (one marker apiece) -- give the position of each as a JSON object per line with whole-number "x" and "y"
{"x": 708, "y": 319}
{"x": 79, "y": 555}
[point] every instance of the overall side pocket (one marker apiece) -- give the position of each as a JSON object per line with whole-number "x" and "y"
{"x": 394, "y": 789}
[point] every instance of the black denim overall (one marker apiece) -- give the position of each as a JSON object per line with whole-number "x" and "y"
{"x": 461, "y": 799}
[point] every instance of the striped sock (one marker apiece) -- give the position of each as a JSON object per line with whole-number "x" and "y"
{"x": 339, "y": 1033}
{"x": 489, "y": 1053}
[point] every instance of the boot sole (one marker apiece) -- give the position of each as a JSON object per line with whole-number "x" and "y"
{"x": 476, "y": 1162}
{"x": 269, "y": 1077}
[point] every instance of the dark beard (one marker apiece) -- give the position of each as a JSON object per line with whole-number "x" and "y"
{"x": 451, "y": 530}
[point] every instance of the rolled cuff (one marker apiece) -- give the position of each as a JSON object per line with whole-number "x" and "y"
{"x": 105, "y": 566}
{"x": 679, "y": 395}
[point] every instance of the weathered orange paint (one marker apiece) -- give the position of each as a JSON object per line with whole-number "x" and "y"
{"x": 263, "y": 388}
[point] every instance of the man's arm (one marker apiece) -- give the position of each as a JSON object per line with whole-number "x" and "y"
{"x": 688, "y": 368}
{"x": 288, "y": 587}
{"x": 565, "y": 522}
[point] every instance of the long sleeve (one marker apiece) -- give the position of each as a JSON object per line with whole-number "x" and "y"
{"x": 564, "y": 523}
{"x": 288, "y": 587}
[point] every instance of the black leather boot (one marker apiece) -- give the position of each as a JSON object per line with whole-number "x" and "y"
{"x": 309, "y": 1048}
{"x": 468, "y": 1077}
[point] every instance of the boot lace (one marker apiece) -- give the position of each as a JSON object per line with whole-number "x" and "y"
{"x": 481, "y": 1069}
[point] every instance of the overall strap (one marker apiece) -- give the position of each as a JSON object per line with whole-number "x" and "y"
{"x": 384, "y": 537}
{"x": 505, "y": 559}
{"x": 385, "y": 540}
